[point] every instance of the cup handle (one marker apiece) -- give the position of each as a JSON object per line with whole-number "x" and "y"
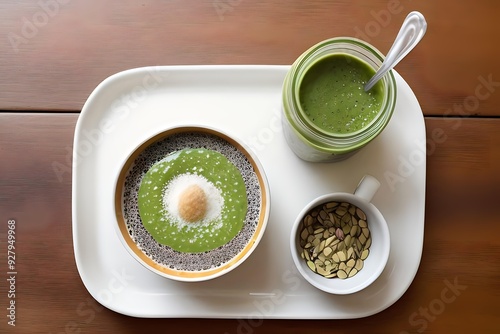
{"x": 367, "y": 187}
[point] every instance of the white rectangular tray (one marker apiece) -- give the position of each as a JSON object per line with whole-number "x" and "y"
{"x": 244, "y": 101}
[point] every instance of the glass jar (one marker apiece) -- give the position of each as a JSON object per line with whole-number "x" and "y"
{"x": 309, "y": 141}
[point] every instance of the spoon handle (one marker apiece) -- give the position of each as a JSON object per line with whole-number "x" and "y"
{"x": 411, "y": 32}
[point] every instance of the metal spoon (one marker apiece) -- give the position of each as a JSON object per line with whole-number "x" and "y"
{"x": 411, "y": 32}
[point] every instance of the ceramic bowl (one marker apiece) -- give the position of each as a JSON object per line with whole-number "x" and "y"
{"x": 159, "y": 257}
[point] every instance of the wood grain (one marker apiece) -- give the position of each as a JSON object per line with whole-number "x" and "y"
{"x": 55, "y": 52}
{"x": 461, "y": 246}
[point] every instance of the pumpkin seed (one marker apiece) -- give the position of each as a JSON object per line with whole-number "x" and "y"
{"x": 354, "y": 231}
{"x": 359, "y": 264}
{"x": 335, "y": 242}
{"x": 334, "y": 267}
{"x": 342, "y": 266}
{"x": 364, "y": 254}
{"x": 368, "y": 243}
{"x": 357, "y": 252}
{"x": 320, "y": 220}
{"x": 336, "y": 221}
{"x": 346, "y": 218}
{"x": 346, "y": 229}
{"x": 314, "y": 253}
{"x": 318, "y": 230}
{"x": 350, "y": 253}
{"x": 360, "y": 213}
{"x": 330, "y": 240}
{"x": 341, "y": 211}
{"x": 341, "y": 274}
{"x": 335, "y": 258}
{"x": 308, "y": 221}
{"x": 311, "y": 265}
{"x": 327, "y": 223}
{"x": 327, "y": 251}
{"x": 322, "y": 258}
{"x": 304, "y": 234}
{"x": 347, "y": 240}
{"x": 323, "y": 214}
{"x": 331, "y": 205}
{"x": 322, "y": 271}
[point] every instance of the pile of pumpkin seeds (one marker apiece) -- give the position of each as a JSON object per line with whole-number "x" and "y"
{"x": 335, "y": 239}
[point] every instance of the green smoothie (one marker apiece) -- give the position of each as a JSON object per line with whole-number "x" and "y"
{"x": 332, "y": 96}
{"x": 224, "y": 200}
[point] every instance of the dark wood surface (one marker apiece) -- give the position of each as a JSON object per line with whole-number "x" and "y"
{"x": 47, "y": 73}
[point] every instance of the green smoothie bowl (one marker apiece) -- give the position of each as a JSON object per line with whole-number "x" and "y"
{"x": 191, "y": 203}
{"x": 327, "y": 114}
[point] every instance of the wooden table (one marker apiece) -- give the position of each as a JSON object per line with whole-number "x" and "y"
{"x": 55, "y": 52}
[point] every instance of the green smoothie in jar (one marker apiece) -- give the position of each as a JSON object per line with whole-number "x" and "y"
{"x": 332, "y": 96}
{"x": 327, "y": 115}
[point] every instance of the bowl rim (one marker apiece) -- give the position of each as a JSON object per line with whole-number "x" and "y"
{"x": 184, "y": 275}
{"x": 308, "y": 274}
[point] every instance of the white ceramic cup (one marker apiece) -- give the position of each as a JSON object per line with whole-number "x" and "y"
{"x": 374, "y": 264}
